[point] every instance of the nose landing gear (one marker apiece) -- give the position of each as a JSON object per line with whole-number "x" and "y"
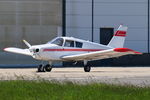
{"x": 48, "y": 68}
{"x": 40, "y": 68}
{"x": 44, "y": 68}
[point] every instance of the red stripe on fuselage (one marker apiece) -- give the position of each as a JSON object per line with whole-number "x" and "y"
{"x": 73, "y": 50}
{"x": 120, "y": 33}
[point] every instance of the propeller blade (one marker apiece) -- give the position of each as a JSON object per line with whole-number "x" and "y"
{"x": 27, "y": 43}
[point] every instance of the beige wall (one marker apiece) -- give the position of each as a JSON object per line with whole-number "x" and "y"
{"x": 33, "y": 20}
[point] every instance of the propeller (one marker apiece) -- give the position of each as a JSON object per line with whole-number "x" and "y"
{"x": 33, "y": 51}
{"x": 27, "y": 43}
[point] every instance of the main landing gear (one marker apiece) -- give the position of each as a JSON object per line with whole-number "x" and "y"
{"x": 87, "y": 68}
{"x": 44, "y": 68}
{"x": 48, "y": 67}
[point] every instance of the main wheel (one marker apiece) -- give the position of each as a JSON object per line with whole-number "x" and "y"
{"x": 48, "y": 68}
{"x": 87, "y": 68}
{"x": 41, "y": 68}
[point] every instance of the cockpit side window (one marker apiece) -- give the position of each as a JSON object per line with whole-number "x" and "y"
{"x": 78, "y": 44}
{"x": 69, "y": 43}
{"x": 58, "y": 41}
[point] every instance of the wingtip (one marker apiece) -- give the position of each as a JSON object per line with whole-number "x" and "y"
{"x": 5, "y": 49}
{"x": 138, "y": 53}
{"x": 126, "y": 50}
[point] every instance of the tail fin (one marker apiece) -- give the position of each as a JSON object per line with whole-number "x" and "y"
{"x": 119, "y": 37}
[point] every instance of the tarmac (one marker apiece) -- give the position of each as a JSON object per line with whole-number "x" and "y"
{"x": 137, "y": 76}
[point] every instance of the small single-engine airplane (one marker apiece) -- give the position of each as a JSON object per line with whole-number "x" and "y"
{"x": 73, "y": 49}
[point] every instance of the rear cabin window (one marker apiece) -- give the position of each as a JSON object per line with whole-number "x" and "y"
{"x": 79, "y": 44}
{"x": 69, "y": 43}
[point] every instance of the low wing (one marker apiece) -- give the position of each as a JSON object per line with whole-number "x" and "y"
{"x": 101, "y": 54}
{"x": 18, "y": 51}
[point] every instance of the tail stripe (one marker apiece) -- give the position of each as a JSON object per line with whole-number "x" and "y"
{"x": 120, "y": 33}
{"x": 119, "y": 37}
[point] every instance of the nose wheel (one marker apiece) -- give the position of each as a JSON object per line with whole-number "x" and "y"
{"x": 48, "y": 68}
{"x": 44, "y": 68}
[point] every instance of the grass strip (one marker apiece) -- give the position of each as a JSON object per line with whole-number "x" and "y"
{"x": 45, "y": 90}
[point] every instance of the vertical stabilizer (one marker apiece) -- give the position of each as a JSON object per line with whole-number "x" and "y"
{"x": 119, "y": 37}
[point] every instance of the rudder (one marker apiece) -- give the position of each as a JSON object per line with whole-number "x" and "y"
{"x": 119, "y": 37}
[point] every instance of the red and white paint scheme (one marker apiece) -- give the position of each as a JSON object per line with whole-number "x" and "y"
{"x": 73, "y": 49}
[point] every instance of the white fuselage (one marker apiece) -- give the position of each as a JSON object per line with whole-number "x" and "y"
{"x": 53, "y": 52}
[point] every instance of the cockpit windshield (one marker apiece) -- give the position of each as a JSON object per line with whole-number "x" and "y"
{"x": 57, "y": 41}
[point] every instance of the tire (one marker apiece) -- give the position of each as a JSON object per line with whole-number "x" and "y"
{"x": 48, "y": 68}
{"x": 41, "y": 68}
{"x": 87, "y": 68}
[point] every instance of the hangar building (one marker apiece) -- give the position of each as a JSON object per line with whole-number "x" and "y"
{"x": 108, "y": 15}
{"x": 37, "y": 21}
{"x": 33, "y": 20}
